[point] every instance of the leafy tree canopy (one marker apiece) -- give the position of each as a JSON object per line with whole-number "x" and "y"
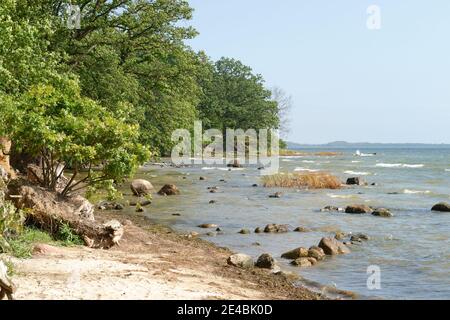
{"x": 234, "y": 97}
{"x": 68, "y": 130}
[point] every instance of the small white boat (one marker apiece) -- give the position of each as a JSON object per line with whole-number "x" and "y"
{"x": 360, "y": 154}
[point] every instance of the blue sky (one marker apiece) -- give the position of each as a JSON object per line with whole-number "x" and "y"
{"x": 348, "y": 82}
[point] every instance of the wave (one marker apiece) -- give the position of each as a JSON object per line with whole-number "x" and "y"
{"x": 308, "y": 161}
{"x": 230, "y": 169}
{"x": 356, "y": 173}
{"x": 356, "y": 161}
{"x": 305, "y": 169}
{"x": 340, "y": 196}
{"x": 413, "y": 165}
{"x": 447, "y": 170}
{"x": 407, "y": 191}
{"x": 286, "y": 160}
{"x": 223, "y": 168}
{"x": 399, "y": 165}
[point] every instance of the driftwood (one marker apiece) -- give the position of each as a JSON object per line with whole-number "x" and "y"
{"x": 7, "y": 288}
{"x": 49, "y": 211}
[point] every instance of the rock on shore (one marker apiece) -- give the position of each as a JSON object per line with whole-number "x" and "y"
{"x": 265, "y": 261}
{"x": 240, "y": 260}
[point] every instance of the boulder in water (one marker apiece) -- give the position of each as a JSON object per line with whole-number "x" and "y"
{"x": 358, "y": 209}
{"x": 276, "y": 228}
{"x": 276, "y": 195}
{"x": 302, "y": 229}
{"x": 355, "y": 181}
{"x": 208, "y": 226}
{"x": 441, "y": 207}
{"x": 331, "y": 209}
{"x": 382, "y": 212}
{"x": 331, "y": 246}
{"x": 296, "y": 253}
{"x": 316, "y": 253}
{"x": 359, "y": 237}
{"x": 169, "y": 190}
{"x": 259, "y": 230}
{"x": 141, "y": 187}
{"x": 302, "y": 262}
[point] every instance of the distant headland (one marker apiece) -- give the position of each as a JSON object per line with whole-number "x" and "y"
{"x": 362, "y": 145}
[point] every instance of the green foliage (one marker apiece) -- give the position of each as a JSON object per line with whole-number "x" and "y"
{"x": 25, "y": 58}
{"x": 235, "y": 98}
{"x": 133, "y": 51}
{"x": 21, "y": 246}
{"x": 67, "y": 237}
{"x": 10, "y": 266}
{"x": 69, "y": 130}
{"x": 105, "y": 189}
{"x": 85, "y": 98}
{"x": 11, "y": 222}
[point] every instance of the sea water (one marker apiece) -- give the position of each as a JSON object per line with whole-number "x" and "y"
{"x": 412, "y": 249}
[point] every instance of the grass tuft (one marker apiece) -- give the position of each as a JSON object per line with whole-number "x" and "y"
{"x": 316, "y": 180}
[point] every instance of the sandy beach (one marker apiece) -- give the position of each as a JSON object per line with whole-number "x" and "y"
{"x": 152, "y": 262}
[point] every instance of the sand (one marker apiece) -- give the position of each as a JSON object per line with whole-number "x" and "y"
{"x": 152, "y": 262}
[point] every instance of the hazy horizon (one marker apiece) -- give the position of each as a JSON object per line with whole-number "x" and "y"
{"x": 347, "y": 82}
{"x": 368, "y": 142}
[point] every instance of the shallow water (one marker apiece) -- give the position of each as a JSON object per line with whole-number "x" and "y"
{"x": 411, "y": 249}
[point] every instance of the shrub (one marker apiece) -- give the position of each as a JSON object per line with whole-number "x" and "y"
{"x": 11, "y": 223}
{"x": 316, "y": 180}
{"x": 69, "y": 131}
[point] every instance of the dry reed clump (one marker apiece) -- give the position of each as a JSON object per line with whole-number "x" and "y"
{"x": 312, "y": 180}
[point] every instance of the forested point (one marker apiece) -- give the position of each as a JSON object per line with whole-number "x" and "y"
{"x": 110, "y": 93}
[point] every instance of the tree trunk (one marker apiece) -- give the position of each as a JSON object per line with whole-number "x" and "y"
{"x": 7, "y": 288}
{"x": 49, "y": 211}
{"x": 5, "y": 148}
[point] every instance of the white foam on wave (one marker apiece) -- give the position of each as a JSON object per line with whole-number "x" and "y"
{"x": 291, "y": 157}
{"x": 399, "y": 165}
{"x": 407, "y": 191}
{"x": 357, "y": 173}
{"x": 222, "y": 168}
{"x": 356, "y": 161}
{"x": 340, "y": 196}
{"x": 298, "y": 169}
{"x": 230, "y": 169}
{"x": 286, "y": 160}
{"x": 447, "y": 170}
{"x": 413, "y": 165}
{"x": 308, "y": 161}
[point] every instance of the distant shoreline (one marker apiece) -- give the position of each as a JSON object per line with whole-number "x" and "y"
{"x": 367, "y": 145}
